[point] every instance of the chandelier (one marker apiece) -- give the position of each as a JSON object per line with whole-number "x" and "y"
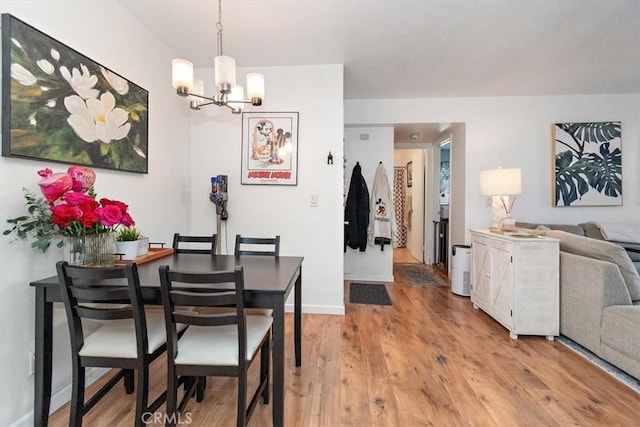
{"x": 229, "y": 93}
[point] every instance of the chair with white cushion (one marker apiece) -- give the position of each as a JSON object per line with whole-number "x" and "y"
{"x": 130, "y": 339}
{"x": 215, "y": 344}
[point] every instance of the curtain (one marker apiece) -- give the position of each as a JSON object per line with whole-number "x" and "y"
{"x": 399, "y": 189}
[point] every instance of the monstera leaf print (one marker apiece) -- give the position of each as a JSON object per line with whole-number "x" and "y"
{"x": 588, "y": 163}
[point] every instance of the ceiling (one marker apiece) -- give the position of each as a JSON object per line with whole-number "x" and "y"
{"x": 419, "y": 49}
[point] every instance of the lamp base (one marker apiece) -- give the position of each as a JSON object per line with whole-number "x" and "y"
{"x": 507, "y": 223}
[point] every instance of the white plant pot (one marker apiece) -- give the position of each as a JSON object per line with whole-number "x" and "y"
{"x": 143, "y": 248}
{"x": 128, "y": 249}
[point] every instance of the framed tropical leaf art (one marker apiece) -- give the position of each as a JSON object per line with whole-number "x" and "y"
{"x": 60, "y": 106}
{"x": 588, "y": 164}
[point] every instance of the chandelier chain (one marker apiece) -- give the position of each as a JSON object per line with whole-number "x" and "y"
{"x": 219, "y": 27}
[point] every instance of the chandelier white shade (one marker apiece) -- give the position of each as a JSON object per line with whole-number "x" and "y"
{"x": 182, "y": 74}
{"x": 229, "y": 94}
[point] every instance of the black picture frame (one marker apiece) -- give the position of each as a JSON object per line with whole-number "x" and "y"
{"x": 409, "y": 174}
{"x": 61, "y": 106}
{"x": 269, "y": 148}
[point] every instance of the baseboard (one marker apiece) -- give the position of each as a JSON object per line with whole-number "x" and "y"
{"x": 368, "y": 277}
{"x": 318, "y": 309}
{"x": 61, "y": 397}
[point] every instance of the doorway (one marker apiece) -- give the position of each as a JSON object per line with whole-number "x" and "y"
{"x": 422, "y": 205}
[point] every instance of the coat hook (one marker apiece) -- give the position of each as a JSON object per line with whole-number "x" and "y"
{"x": 330, "y": 158}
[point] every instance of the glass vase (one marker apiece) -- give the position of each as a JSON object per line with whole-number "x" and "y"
{"x": 91, "y": 250}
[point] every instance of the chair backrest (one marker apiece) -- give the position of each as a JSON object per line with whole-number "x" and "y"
{"x": 271, "y": 244}
{"x": 210, "y": 240}
{"x": 104, "y": 294}
{"x": 212, "y": 289}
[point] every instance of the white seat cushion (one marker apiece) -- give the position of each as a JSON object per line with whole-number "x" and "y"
{"x": 218, "y": 345}
{"x": 249, "y": 311}
{"x": 117, "y": 338}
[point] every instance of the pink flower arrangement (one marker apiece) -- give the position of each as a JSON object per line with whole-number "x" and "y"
{"x": 69, "y": 208}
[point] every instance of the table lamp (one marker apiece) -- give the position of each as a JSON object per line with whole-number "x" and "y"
{"x": 501, "y": 183}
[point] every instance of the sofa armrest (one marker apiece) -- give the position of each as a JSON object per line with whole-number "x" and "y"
{"x": 587, "y": 285}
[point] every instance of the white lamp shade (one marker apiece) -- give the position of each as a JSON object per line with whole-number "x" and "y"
{"x": 225, "y": 69}
{"x": 255, "y": 85}
{"x": 198, "y": 89}
{"x": 237, "y": 94}
{"x": 181, "y": 73}
{"x": 500, "y": 182}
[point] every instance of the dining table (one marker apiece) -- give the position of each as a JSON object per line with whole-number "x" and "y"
{"x": 268, "y": 281}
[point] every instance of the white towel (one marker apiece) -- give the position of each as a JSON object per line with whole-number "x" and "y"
{"x": 618, "y": 232}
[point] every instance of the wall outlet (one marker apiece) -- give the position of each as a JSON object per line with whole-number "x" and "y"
{"x": 314, "y": 200}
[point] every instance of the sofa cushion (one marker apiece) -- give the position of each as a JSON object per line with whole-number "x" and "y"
{"x": 620, "y": 325}
{"x": 592, "y": 230}
{"x": 602, "y": 250}
{"x": 569, "y": 228}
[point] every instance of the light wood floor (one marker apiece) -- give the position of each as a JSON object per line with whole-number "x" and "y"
{"x": 430, "y": 359}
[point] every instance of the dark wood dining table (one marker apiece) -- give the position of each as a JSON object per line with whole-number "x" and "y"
{"x": 268, "y": 282}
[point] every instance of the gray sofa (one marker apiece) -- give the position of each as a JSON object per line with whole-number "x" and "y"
{"x": 600, "y": 299}
{"x": 587, "y": 229}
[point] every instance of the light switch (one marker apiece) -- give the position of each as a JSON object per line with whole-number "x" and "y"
{"x": 314, "y": 200}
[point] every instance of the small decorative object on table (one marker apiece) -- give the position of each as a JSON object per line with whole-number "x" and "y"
{"x": 128, "y": 243}
{"x": 70, "y": 213}
{"x": 143, "y": 247}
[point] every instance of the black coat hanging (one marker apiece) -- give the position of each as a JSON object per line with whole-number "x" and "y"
{"x": 356, "y": 211}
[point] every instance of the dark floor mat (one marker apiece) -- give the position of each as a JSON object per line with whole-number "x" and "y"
{"x": 419, "y": 274}
{"x": 366, "y": 293}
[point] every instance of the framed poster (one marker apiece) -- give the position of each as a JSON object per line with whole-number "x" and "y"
{"x": 409, "y": 174}
{"x": 269, "y": 148}
{"x": 588, "y": 164}
{"x": 60, "y": 106}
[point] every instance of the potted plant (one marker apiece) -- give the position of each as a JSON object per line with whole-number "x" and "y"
{"x": 127, "y": 242}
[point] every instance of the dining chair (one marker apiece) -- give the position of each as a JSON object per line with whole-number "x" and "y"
{"x": 215, "y": 344}
{"x": 254, "y": 246}
{"x": 130, "y": 339}
{"x": 179, "y": 238}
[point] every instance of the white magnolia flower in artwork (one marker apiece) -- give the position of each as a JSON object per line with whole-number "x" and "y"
{"x": 55, "y": 54}
{"x": 17, "y": 43}
{"x": 82, "y": 83}
{"x": 46, "y": 66}
{"x": 22, "y": 75}
{"x": 139, "y": 152}
{"x": 95, "y": 119}
{"x": 118, "y": 84}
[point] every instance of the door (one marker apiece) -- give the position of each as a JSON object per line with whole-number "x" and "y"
{"x": 481, "y": 267}
{"x": 501, "y": 283}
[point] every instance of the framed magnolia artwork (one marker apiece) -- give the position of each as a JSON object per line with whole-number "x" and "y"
{"x": 60, "y": 106}
{"x": 588, "y": 164}
{"x": 269, "y": 148}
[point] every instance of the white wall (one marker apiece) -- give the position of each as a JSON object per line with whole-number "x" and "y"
{"x": 266, "y": 210}
{"x": 157, "y": 200}
{"x": 373, "y": 264}
{"x": 516, "y": 132}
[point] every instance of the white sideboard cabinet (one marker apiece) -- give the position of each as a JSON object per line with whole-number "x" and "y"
{"x": 515, "y": 280}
